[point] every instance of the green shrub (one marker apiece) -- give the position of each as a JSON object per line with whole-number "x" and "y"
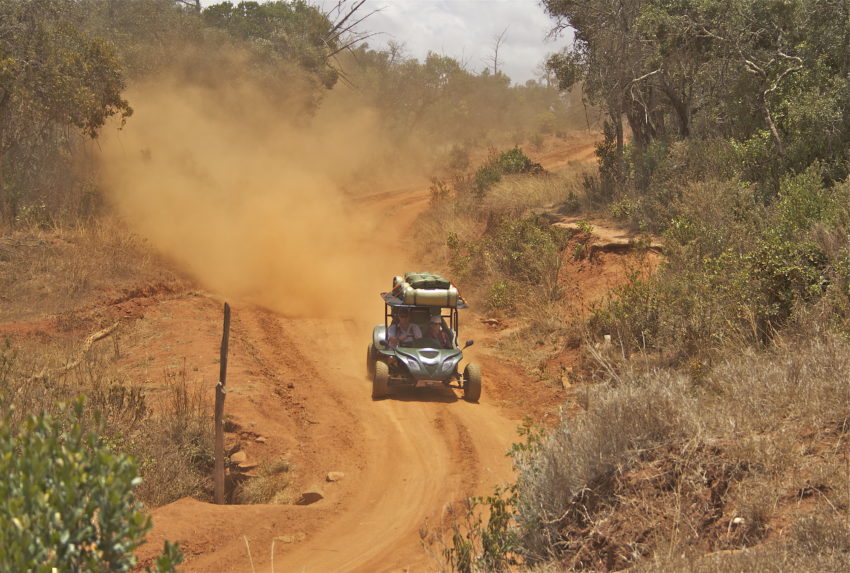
{"x": 571, "y": 205}
{"x": 510, "y": 162}
{"x": 67, "y": 501}
{"x": 527, "y": 250}
{"x": 545, "y": 122}
{"x": 524, "y": 252}
{"x": 513, "y": 161}
{"x": 501, "y": 296}
{"x": 736, "y": 270}
{"x": 612, "y": 176}
{"x": 489, "y": 546}
{"x": 471, "y": 544}
{"x": 485, "y": 177}
{"x": 804, "y": 201}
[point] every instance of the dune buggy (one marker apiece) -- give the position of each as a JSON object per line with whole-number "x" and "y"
{"x": 429, "y": 300}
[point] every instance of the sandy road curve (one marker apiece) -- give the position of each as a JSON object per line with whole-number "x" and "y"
{"x": 420, "y": 451}
{"x": 404, "y": 458}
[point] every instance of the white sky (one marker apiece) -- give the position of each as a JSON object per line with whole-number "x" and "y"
{"x": 466, "y": 30}
{"x": 462, "y": 29}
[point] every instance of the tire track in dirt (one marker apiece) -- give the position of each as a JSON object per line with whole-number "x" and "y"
{"x": 408, "y": 469}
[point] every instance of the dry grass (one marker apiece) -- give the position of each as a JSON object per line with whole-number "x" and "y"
{"x": 515, "y": 196}
{"x": 48, "y": 272}
{"x": 815, "y": 542}
{"x": 171, "y": 442}
{"x": 271, "y": 485}
{"x": 176, "y": 446}
{"x": 462, "y": 235}
{"x": 743, "y": 467}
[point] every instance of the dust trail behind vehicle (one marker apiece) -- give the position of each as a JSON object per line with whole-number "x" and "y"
{"x": 252, "y": 204}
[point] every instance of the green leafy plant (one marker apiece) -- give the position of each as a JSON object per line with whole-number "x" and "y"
{"x": 501, "y": 296}
{"x": 485, "y": 535}
{"x": 513, "y": 161}
{"x": 479, "y": 543}
{"x": 585, "y": 227}
{"x": 485, "y": 177}
{"x": 510, "y": 162}
{"x": 67, "y": 500}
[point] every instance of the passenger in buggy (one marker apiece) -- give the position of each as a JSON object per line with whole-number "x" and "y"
{"x": 403, "y": 332}
{"x": 438, "y": 334}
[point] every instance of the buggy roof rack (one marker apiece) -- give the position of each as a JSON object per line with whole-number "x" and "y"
{"x": 396, "y": 302}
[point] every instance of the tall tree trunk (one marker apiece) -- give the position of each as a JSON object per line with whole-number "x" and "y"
{"x": 681, "y": 107}
{"x": 618, "y": 130}
{"x": 3, "y": 199}
{"x": 780, "y": 147}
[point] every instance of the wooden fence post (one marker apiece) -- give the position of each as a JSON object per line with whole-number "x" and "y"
{"x": 218, "y": 471}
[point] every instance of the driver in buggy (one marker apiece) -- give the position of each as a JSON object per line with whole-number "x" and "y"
{"x": 403, "y": 332}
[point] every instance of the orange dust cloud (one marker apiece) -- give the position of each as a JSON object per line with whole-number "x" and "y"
{"x": 250, "y": 203}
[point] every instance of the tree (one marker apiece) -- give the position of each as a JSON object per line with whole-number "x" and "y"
{"x": 498, "y": 40}
{"x": 55, "y": 80}
{"x": 608, "y": 57}
{"x": 754, "y": 72}
{"x": 295, "y": 31}
{"x": 193, "y": 4}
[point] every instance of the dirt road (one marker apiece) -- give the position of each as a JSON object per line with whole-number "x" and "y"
{"x": 404, "y": 459}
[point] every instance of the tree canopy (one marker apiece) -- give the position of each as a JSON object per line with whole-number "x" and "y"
{"x": 772, "y": 76}
{"x": 54, "y": 77}
{"x": 293, "y": 31}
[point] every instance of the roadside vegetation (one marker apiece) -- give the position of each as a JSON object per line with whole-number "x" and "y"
{"x": 486, "y": 224}
{"x": 67, "y": 498}
{"x": 709, "y": 431}
{"x": 491, "y": 226}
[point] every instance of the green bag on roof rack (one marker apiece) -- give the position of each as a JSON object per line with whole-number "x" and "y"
{"x": 427, "y": 280}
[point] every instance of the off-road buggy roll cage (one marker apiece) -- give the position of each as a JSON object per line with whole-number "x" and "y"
{"x": 423, "y": 359}
{"x": 449, "y": 316}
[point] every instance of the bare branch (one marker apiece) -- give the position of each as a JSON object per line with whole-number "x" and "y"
{"x": 782, "y": 77}
{"x": 352, "y": 42}
{"x": 754, "y": 68}
{"x": 345, "y": 18}
{"x": 643, "y": 77}
{"x": 498, "y": 40}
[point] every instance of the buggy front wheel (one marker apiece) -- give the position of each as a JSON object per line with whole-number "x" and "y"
{"x": 380, "y": 386}
{"x": 370, "y": 360}
{"x": 471, "y": 383}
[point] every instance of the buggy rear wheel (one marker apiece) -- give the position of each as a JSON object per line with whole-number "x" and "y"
{"x": 380, "y": 386}
{"x": 471, "y": 383}
{"x": 370, "y": 360}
